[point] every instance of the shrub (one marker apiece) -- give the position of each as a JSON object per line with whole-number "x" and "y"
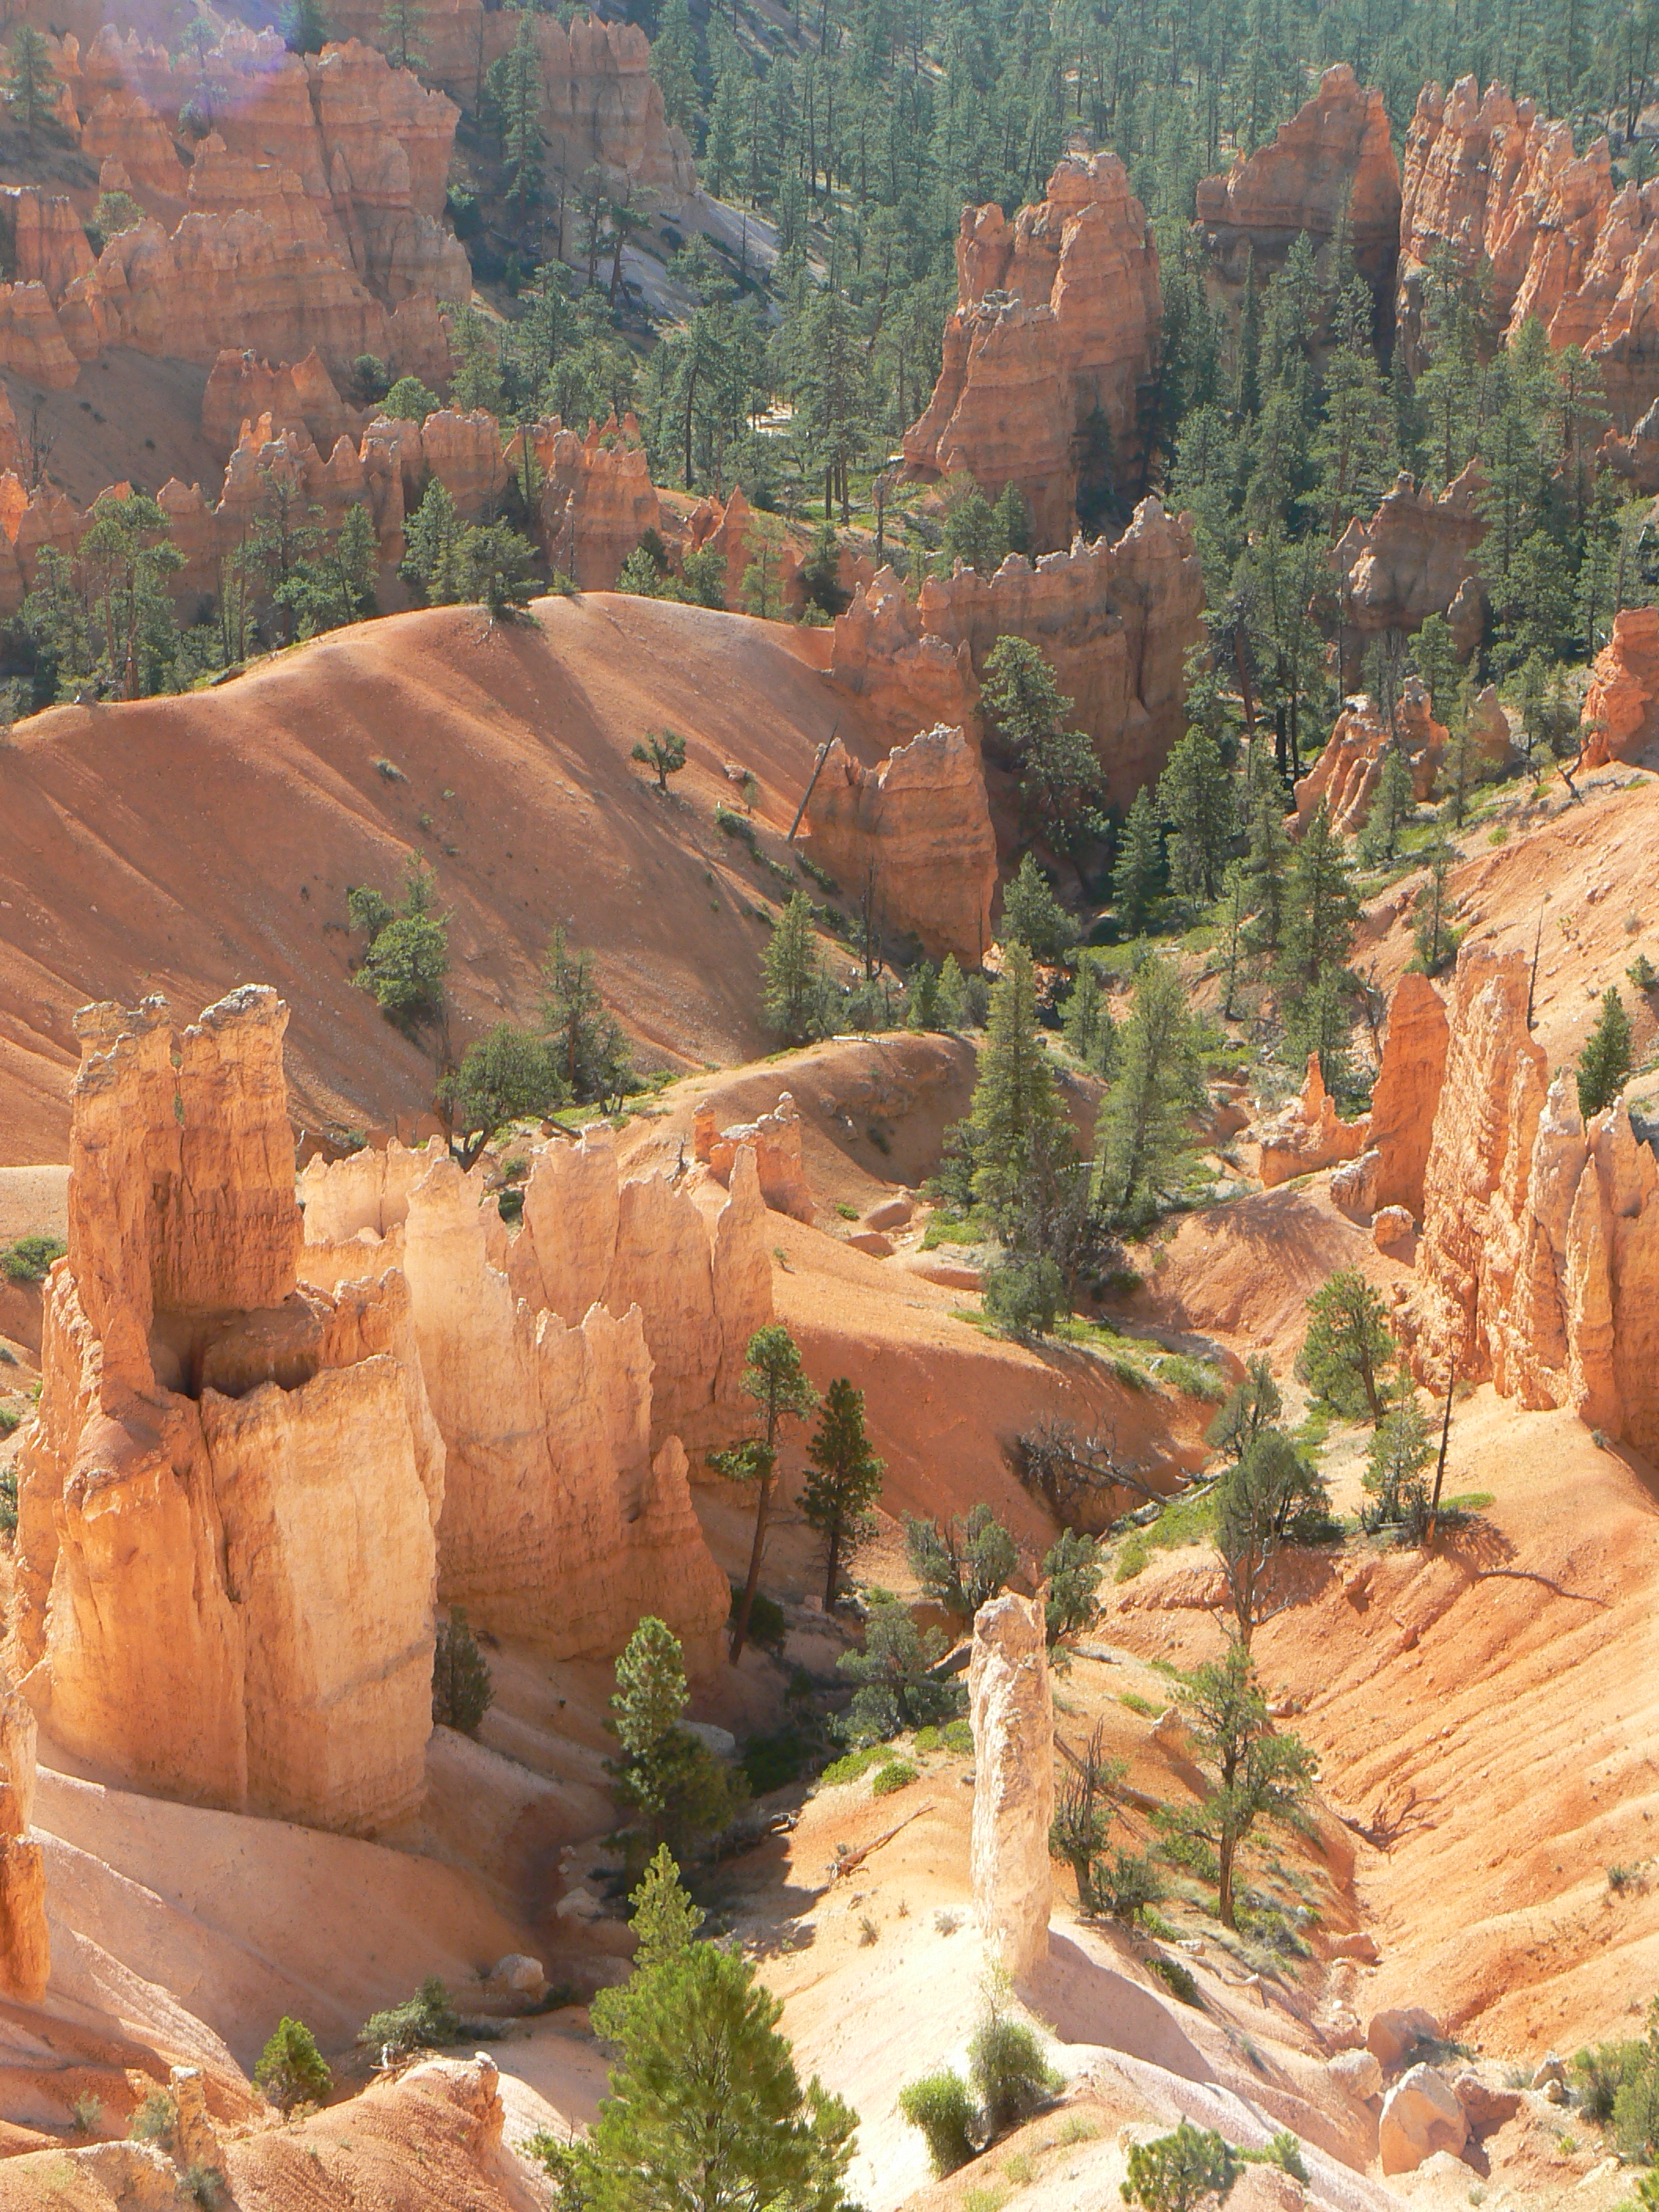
{"x": 1602, "y": 2072}
{"x": 1128, "y": 1886}
{"x": 852, "y": 1765}
{"x": 767, "y": 1626}
{"x": 461, "y": 1688}
{"x": 772, "y": 1762}
{"x": 291, "y": 2069}
{"x": 940, "y": 2106}
{"x": 202, "y": 2184}
{"x": 1008, "y": 2069}
{"x": 1025, "y": 1296}
{"x": 1175, "y": 2173}
{"x": 898, "y": 1774}
{"x": 422, "y": 2022}
{"x": 154, "y": 2120}
{"x": 1178, "y": 1980}
{"x": 8, "y": 1491}
{"x": 29, "y": 1258}
{"x": 88, "y": 2113}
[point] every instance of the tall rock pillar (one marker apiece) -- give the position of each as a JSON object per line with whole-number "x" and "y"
{"x": 1012, "y": 1715}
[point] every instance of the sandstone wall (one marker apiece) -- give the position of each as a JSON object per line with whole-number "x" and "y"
{"x": 1332, "y": 165}
{"x": 1539, "y": 1259}
{"x": 1416, "y": 556}
{"x": 1116, "y": 619}
{"x": 1488, "y": 176}
{"x": 1344, "y": 777}
{"x": 569, "y": 1365}
{"x": 601, "y": 107}
{"x": 226, "y": 1503}
{"x": 1057, "y": 324}
{"x": 1620, "y": 715}
{"x": 918, "y": 831}
{"x": 25, "y": 1942}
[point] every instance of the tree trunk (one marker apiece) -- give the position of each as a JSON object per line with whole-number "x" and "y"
{"x": 833, "y": 1572}
{"x": 1224, "y": 1899}
{"x": 740, "y": 1626}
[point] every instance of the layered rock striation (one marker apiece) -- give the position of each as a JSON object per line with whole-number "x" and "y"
{"x": 228, "y": 1502}
{"x": 1344, "y": 777}
{"x": 1489, "y": 179}
{"x": 1055, "y": 333}
{"x": 915, "y": 834}
{"x": 1330, "y": 169}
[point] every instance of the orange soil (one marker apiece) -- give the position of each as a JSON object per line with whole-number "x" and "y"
{"x": 186, "y": 845}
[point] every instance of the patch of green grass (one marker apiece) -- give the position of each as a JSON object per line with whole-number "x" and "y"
{"x": 1185, "y": 1520}
{"x": 1193, "y": 1378}
{"x": 1075, "y": 2128}
{"x": 847, "y": 1213}
{"x": 1018, "y": 2168}
{"x": 1316, "y": 1427}
{"x": 946, "y": 1226}
{"x": 1132, "y": 1559}
{"x": 986, "y": 2196}
{"x": 1135, "y": 1701}
{"x": 1468, "y": 1501}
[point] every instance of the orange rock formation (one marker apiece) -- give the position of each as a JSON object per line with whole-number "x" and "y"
{"x": 775, "y": 1140}
{"x": 25, "y": 1943}
{"x": 567, "y": 1369}
{"x": 1620, "y": 717}
{"x": 1346, "y": 775}
{"x": 917, "y": 832}
{"x": 1489, "y": 177}
{"x": 1415, "y": 557}
{"x": 601, "y": 106}
{"x": 300, "y": 397}
{"x": 1539, "y": 1260}
{"x": 1404, "y": 1096}
{"x": 1332, "y": 164}
{"x": 1309, "y": 1133}
{"x": 1116, "y": 618}
{"x": 1055, "y": 331}
{"x": 226, "y": 1504}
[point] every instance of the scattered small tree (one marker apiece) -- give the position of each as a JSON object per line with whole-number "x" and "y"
{"x": 503, "y": 1077}
{"x": 1160, "y": 1081}
{"x": 942, "y": 2106}
{"x": 1604, "y": 1064}
{"x": 1086, "y": 1022}
{"x": 426, "y": 2021}
{"x": 1007, "y": 2067}
{"x": 1085, "y": 1806}
{"x": 1138, "y": 870}
{"x": 32, "y": 86}
{"x": 1031, "y": 913}
{"x": 1249, "y": 1406}
{"x": 1178, "y": 2172}
{"x": 1071, "y": 1568}
{"x": 408, "y": 955}
{"x": 961, "y": 1563}
{"x": 845, "y": 1481}
{"x": 1253, "y": 1774}
{"x": 1431, "y": 928}
{"x": 898, "y": 1688}
{"x": 791, "y": 974}
{"x": 291, "y": 2070}
{"x": 1261, "y": 1503}
{"x": 680, "y": 1790}
{"x": 462, "y": 1690}
{"x": 1394, "y": 1478}
{"x": 774, "y": 1379}
{"x": 665, "y": 1919}
{"x": 663, "y": 752}
{"x": 1350, "y": 1348}
{"x": 585, "y": 1041}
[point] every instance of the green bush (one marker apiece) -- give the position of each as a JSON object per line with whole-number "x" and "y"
{"x": 291, "y": 2069}
{"x": 423, "y": 2022}
{"x": 1008, "y": 2069}
{"x": 1128, "y": 1886}
{"x": 1602, "y": 2072}
{"x": 772, "y": 1762}
{"x": 940, "y": 2106}
{"x": 1178, "y": 2172}
{"x": 29, "y": 1258}
{"x": 154, "y": 2120}
{"x": 767, "y": 1626}
{"x": 462, "y": 1690}
{"x": 898, "y": 1774}
{"x": 852, "y": 1763}
{"x": 202, "y": 2184}
{"x": 1177, "y": 1980}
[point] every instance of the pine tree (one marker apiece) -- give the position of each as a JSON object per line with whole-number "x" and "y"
{"x": 774, "y": 1379}
{"x": 33, "y": 87}
{"x": 1232, "y": 912}
{"x": 1015, "y": 1093}
{"x": 399, "y": 27}
{"x": 291, "y": 2070}
{"x": 1604, "y": 1064}
{"x": 589, "y": 1050}
{"x": 516, "y": 89}
{"x": 462, "y": 1691}
{"x": 1031, "y": 913}
{"x": 845, "y": 1481}
{"x": 1086, "y": 1022}
{"x": 663, "y": 1919}
{"x": 1195, "y": 797}
{"x": 1269, "y": 855}
{"x": 1139, "y": 867}
{"x": 1253, "y": 1773}
{"x": 1060, "y": 781}
{"x": 1432, "y": 929}
{"x": 1013, "y": 520}
{"x": 674, "y": 65}
{"x": 791, "y": 974}
{"x": 432, "y": 546}
{"x": 1316, "y": 1021}
{"x": 1392, "y": 804}
{"x": 705, "y": 2108}
{"x": 1350, "y": 1348}
{"x": 1321, "y": 905}
{"x": 1160, "y": 1081}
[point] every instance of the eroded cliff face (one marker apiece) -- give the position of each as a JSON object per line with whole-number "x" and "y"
{"x": 1332, "y": 163}
{"x": 1055, "y": 331}
{"x": 917, "y": 831}
{"x": 569, "y": 1365}
{"x": 1487, "y": 176}
{"x": 291, "y": 202}
{"x": 1538, "y": 1264}
{"x": 1011, "y": 1708}
{"x": 1116, "y": 619}
{"x": 226, "y": 1504}
{"x": 1620, "y": 717}
{"x": 601, "y": 106}
{"x": 1416, "y": 556}
{"x": 1344, "y": 777}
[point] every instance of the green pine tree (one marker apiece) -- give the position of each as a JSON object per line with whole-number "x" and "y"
{"x": 1604, "y": 1064}
{"x": 845, "y": 1481}
{"x": 774, "y": 1379}
{"x": 1195, "y": 797}
{"x": 1014, "y": 1096}
{"x": 1321, "y": 906}
{"x": 1139, "y": 867}
{"x": 1159, "y": 1082}
{"x": 792, "y": 975}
